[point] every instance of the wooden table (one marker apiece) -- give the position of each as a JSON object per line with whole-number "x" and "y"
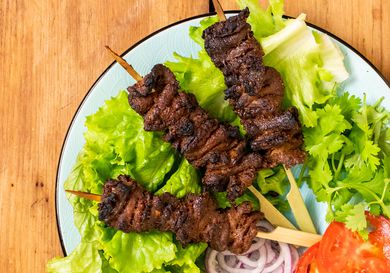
{"x": 50, "y": 54}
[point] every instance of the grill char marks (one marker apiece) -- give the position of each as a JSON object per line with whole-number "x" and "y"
{"x": 206, "y": 143}
{"x": 255, "y": 91}
{"x": 129, "y": 207}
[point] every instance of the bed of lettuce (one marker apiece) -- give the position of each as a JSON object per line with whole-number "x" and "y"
{"x": 348, "y": 144}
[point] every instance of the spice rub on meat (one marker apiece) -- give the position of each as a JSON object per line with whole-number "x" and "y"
{"x": 255, "y": 91}
{"x": 127, "y": 206}
{"x": 206, "y": 143}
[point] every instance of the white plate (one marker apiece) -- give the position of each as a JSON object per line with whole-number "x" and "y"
{"x": 158, "y": 48}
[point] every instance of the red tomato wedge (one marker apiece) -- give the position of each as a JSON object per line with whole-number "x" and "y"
{"x": 380, "y": 236}
{"x": 344, "y": 251}
{"x": 306, "y": 263}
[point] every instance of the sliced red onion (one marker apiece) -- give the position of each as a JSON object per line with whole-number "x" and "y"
{"x": 264, "y": 256}
{"x": 270, "y": 252}
{"x": 294, "y": 257}
{"x": 211, "y": 262}
{"x": 286, "y": 252}
{"x": 279, "y": 269}
{"x": 254, "y": 255}
{"x": 222, "y": 263}
{"x": 232, "y": 261}
{"x": 262, "y": 259}
{"x": 258, "y": 242}
{"x": 275, "y": 264}
{"x": 247, "y": 261}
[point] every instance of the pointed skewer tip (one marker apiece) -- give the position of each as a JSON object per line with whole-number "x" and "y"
{"x": 134, "y": 74}
{"x": 86, "y": 195}
{"x": 219, "y": 10}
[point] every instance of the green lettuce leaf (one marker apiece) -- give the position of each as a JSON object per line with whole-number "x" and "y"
{"x": 272, "y": 181}
{"x": 223, "y": 201}
{"x": 106, "y": 155}
{"x": 139, "y": 252}
{"x": 106, "y": 268}
{"x": 186, "y": 257}
{"x": 264, "y": 22}
{"x": 84, "y": 210}
{"x": 310, "y": 65}
{"x": 117, "y": 144}
{"x": 84, "y": 259}
{"x": 184, "y": 180}
{"x": 161, "y": 270}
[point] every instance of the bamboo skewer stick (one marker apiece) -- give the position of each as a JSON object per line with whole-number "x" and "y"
{"x": 128, "y": 67}
{"x": 298, "y": 207}
{"x": 219, "y": 10}
{"x": 273, "y": 215}
{"x": 280, "y": 234}
{"x": 294, "y": 197}
{"x": 297, "y": 204}
{"x": 291, "y": 236}
{"x": 86, "y": 195}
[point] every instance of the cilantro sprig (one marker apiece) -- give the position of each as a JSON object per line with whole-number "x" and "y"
{"x": 349, "y": 162}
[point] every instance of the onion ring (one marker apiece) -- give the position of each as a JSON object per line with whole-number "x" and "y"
{"x": 264, "y": 256}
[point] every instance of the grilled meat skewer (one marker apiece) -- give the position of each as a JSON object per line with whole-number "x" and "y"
{"x": 280, "y": 234}
{"x": 214, "y": 147}
{"x": 271, "y": 213}
{"x": 255, "y": 92}
{"x": 127, "y": 206}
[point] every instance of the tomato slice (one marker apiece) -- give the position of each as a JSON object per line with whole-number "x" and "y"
{"x": 306, "y": 263}
{"x": 380, "y": 236}
{"x": 344, "y": 251}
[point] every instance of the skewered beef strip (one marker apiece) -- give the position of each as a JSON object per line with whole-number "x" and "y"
{"x": 127, "y": 206}
{"x": 206, "y": 143}
{"x": 255, "y": 91}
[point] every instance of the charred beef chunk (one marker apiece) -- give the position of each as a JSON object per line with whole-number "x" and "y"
{"x": 206, "y": 143}
{"x": 255, "y": 91}
{"x": 127, "y": 206}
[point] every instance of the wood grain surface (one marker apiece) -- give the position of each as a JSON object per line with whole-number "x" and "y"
{"x": 51, "y": 52}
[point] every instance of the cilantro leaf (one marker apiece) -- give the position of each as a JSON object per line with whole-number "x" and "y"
{"x": 348, "y": 104}
{"x": 348, "y": 163}
{"x": 356, "y": 219}
{"x": 384, "y": 142}
{"x": 366, "y": 152}
{"x": 326, "y": 138}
